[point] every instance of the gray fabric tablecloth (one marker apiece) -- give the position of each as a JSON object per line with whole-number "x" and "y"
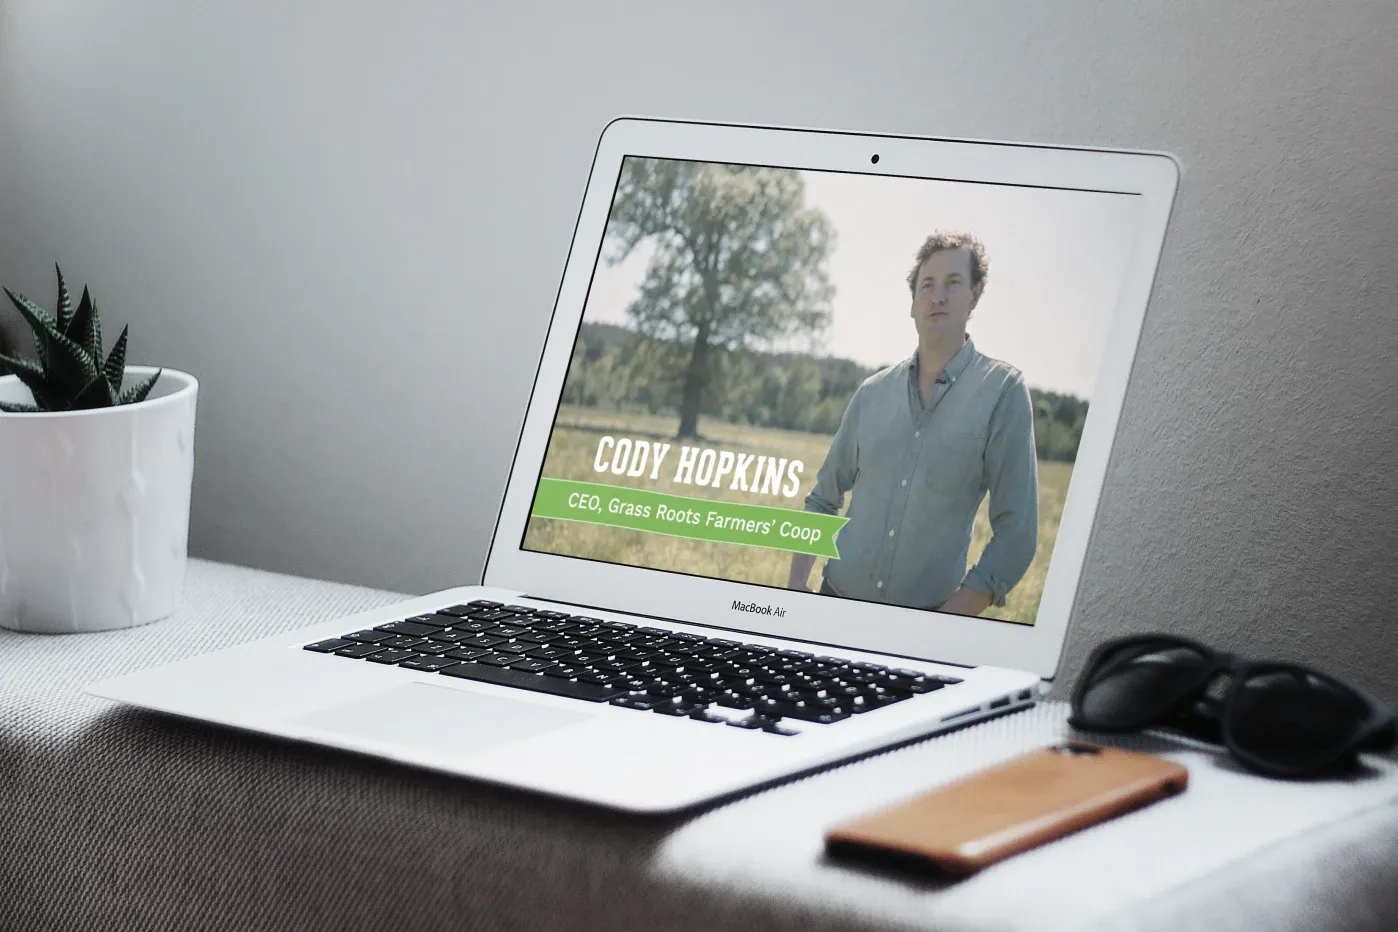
{"x": 114, "y": 819}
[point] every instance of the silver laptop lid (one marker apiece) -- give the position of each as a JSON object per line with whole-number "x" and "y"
{"x": 888, "y": 370}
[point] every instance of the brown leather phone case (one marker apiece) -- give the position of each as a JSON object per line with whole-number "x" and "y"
{"x": 990, "y": 815}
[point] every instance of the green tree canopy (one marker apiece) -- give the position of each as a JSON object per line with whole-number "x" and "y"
{"x": 738, "y": 262}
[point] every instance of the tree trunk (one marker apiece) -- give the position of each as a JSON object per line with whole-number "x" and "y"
{"x": 696, "y": 379}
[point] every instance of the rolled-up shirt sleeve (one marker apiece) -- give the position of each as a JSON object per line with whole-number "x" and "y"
{"x": 1012, "y": 473}
{"x": 841, "y": 465}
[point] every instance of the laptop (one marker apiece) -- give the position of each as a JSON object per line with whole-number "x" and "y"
{"x": 809, "y": 470}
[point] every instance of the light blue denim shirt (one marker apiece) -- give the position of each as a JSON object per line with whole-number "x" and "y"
{"x": 916, "y": 475}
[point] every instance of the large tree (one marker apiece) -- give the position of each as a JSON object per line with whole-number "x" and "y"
{"x": 738, "y": 261}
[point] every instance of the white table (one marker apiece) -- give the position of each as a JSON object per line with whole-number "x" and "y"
{"x": 114, "y": 819}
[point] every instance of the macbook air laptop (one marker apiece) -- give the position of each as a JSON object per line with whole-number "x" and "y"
{"x": 809, "y": 469}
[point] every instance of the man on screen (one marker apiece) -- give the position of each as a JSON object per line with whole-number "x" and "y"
{"x": 918, "y": 448}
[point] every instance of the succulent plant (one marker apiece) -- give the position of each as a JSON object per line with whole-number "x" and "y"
{"x": 71, "y": 372}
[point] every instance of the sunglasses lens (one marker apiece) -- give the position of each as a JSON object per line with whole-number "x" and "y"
{"x": 1138, "y": 684}
{"x": 1294, "y": 720}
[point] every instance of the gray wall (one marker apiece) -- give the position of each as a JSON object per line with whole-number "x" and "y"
{"x": 349, "y": 221}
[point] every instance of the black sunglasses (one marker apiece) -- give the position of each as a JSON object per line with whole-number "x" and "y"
{"x": 1279, "y": 719}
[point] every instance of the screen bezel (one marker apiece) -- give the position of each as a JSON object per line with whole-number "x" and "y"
{"x": 909, "y": 632}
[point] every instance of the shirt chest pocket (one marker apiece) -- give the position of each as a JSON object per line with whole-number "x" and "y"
{"x": 954, "y": 465}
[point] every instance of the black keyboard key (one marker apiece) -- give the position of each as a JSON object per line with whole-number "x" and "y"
{"x": 467, "y": 653}
{"x": 529, "y": 665}
{"x": 390, "y": 657}
{"x": 576, "y": 619}
{"x": 451, "y": 636}
{"x": 549, "y": 653}
{"x": 514, "y": 647}
{"x": 358, "y": 651}
{"x": 681, "y": 708}
{"x": 616, "y": 666}
{"x": 458, "y": 611}
{"x": 646, "y": 629}
{"x": 811, "y": 711}
{"x": 619, "y": 637}
{"x": 471, "y": 626}
{"x": 705, "y": 716}
{"x": 540, "y": 637}
{"x": 432, "y": 647}
{"x": 732, "y": 700}
{"x": 496, "y": 615}
{"x": 401, "y": 642}
{"x": 589, "y": 692}
{"x": 484, "y": 603}
{"x": 435, "y": 620}
{"x": 328, "y": 647}
{"x": 408, "y": 627}
{"x": 505, "y": 631}
{"x": 428, "y": 664}
{"x": 519, "y": 609}
{"x": 750, "y": 724}
{"x": 642, "y": 703}
{"x": 566, "y": 671}
{"x": 686, "y": 636}
{"x": 553, "y": 626}
{"x": 618, "y": 626}
{"x": 795, "y": 655}
{"x": 480, "y": 640}
{"x": 368, "y": 637}
{"x": 498, "y": 660}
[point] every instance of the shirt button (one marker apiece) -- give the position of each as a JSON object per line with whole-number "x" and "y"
{"x": 904, "y": 482}
{"x": 890, "y": 532}
{"x": 879, "y": 584}
{"x": 917, "y": 433}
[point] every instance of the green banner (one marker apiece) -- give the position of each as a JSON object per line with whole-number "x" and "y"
{"x": 684, "y": 516}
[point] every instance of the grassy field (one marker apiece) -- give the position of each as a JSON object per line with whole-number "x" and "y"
{"x": 570, "y": 456}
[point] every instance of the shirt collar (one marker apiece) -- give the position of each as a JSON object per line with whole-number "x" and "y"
{"x": 954, "y": 367}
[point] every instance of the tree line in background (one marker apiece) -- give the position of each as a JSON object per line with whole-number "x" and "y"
{"x": 619, "y": 369}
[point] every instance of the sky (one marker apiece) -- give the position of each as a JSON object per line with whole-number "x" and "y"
{"x": 1057, "y": 259}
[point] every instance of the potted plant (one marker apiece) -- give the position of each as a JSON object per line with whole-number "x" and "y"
{"x": 96, "y": 466}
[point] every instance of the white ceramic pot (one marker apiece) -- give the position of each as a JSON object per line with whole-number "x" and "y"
{"x": 94, "y": 509}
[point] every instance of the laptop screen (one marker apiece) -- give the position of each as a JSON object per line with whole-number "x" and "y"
{"x": 867, "y": 386}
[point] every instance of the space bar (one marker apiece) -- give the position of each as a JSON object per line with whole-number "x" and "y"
{"x": 590, "y": 692}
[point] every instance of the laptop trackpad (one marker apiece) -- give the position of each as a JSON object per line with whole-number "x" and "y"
{"x": 438, "y": 718}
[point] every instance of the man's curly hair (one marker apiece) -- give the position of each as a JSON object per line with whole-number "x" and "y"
{"x": 952, "y": 239}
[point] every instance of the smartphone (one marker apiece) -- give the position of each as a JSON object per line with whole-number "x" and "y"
{"x": 1025, "y": 802}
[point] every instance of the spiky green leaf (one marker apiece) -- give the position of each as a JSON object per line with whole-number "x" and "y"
{"x": 95, "y": 394}
{"x": 15, "y": 408}
{"x": 116, "y": 362}
{"x": 32, "y": 375}
{"x": 65, "y": 301}
{"x": 69, "y": 367}
{"x": 21, "y": 366}
{"x": 40, "y": 322}
{"x": 79, "y": 329}
{"x": 140, "y": 390}
{"x": 38, "y": 386}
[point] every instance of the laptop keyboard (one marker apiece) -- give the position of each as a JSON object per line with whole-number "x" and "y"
{"x": 648, "y": 669}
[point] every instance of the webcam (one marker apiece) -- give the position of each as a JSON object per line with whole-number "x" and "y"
{"x": 874, "y": 158}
